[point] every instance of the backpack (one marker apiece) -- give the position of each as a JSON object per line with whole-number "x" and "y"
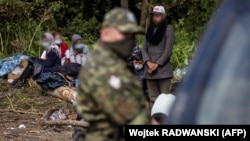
{"x": 71, "y": 69}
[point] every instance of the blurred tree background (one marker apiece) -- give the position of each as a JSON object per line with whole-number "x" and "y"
{"x": 23, "y": 21}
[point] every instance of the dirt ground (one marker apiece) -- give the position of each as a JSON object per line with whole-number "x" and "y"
{"x": 25, "y": 106}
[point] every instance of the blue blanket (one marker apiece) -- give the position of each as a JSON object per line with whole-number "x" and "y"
{"x": 8, "y": 64}
{"x": 50, "y": 81}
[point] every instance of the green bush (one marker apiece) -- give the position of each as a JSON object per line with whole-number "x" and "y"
{"x": 139, "y": 40}
{"x": 183, "y": 48}
{"x": 22, "y": 27}
{"x": 89, "y": 30}
{"x": 23, "y": 21}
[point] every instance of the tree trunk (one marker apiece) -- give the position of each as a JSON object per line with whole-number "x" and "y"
{"x": 124, "y": 4}
{"x": 149, "y": 8}
{"x": 65, "y": 122}
{"x": 85, "y": 9}
{"x": 144, "y": 13}
{"x": 146, "y": 8}
{"x": 45, "y": 120}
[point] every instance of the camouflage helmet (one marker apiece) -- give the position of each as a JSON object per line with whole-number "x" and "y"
{"x": 123, "y": 20}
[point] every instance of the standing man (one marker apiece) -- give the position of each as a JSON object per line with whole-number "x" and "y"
{"x": 109, "y": 95}
{"x": 156, "y": 52}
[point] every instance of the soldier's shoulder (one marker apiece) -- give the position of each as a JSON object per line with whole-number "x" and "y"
{"x": 100, "y": 58}
{"x": 105, "y": 56}
{"x": 101, "y": 49}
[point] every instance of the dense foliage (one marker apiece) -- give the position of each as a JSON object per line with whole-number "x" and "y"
{"x": 22, "y": 22}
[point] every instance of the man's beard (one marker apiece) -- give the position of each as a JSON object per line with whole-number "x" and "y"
{"x": 158, "y": 23}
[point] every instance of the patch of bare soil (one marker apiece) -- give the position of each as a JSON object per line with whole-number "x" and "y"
{"x": 20, "y": 111}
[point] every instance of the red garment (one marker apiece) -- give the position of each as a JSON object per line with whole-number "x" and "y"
{"x": 64, "y": 47}
{"x": 68, "y": 60}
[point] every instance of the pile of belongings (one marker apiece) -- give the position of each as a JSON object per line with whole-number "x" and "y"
{"x": 59, "y": 83}
{"x": 14, "y": 65}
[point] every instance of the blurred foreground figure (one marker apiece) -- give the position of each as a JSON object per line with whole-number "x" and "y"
{"x": 110, "y": 96}
{"x": 216, "y": 87}
{"x": 161, "y": 109}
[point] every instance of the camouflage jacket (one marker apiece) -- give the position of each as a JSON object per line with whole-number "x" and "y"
{"x": 109, "y": 95}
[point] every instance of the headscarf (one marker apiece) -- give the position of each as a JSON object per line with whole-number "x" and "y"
{"x": 51, "y": 42}
{"x": 75, "y": 38}
{"x": 49, "y": 37}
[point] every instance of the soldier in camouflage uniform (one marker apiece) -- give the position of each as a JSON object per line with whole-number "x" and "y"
{"x": 110, "y": 96}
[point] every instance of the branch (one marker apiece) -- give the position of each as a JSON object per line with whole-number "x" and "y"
{"x": 45, "y": 120}
{"x": 47, "y": 113}
{"x": 65, "y": 122}
{"x": 44, "y": 18}
{"x": 17, "y": 111}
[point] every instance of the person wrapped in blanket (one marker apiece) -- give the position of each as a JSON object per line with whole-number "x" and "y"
{"x": 49, "y": 61}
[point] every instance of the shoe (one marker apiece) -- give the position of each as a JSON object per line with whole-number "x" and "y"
{"x": 17, "y": 84}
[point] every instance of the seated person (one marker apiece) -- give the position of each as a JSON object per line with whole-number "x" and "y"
{"x": 138, "y": 64}
{"x": 63, "y": 47}
{"x": 135, "y": 50}
{"x": 51, "y": 57}
{"x": 49, "y": 61}
{"x": 78, "y": 53}
{"x": 139, "y": 70}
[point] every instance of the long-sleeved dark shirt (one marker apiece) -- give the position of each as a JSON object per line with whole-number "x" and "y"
{"x": 52, "y": 61}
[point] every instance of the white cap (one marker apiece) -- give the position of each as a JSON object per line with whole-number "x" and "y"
{"x": 159, "y": 10}
{"x": 163, "y": 104}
